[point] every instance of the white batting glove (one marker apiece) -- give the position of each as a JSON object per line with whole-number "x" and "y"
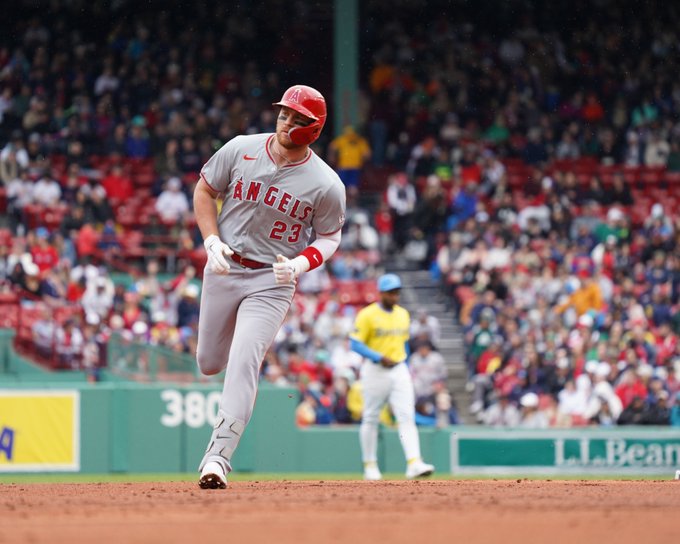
{"x": 218, "y": 252}
{"x": 287, "y": 270}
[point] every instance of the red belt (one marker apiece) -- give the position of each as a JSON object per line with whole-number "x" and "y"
{"x": 248, "y": 263}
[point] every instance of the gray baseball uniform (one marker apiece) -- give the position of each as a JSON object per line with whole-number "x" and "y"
{"x": 267, "y": 210}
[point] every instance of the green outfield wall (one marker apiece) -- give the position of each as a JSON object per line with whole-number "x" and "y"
{"x": 152, "y": 428}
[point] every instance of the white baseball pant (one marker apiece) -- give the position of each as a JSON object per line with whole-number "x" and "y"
{"x": 393, "y": 385}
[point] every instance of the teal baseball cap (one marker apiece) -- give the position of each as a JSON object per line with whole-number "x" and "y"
{"x": 389, "y": 282}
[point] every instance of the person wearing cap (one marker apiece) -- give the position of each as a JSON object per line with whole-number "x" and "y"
{"x": 172, "y": 204}
{"x": 188, "y": 306}
{"x": 587, "y": 298}
{"x": 69, "y": 342}
{"x": 428, "y": 325}
{"x": 634, "y": 413}
{"x": 269, "y": 210}
{"x": 46, "y": 190}
{"x": 401, "y": 197}
{"x": 629, "y": 386}
{"x": 16, "y": 147}
{"x": 322, "y": 370}
{"x": 348, "y": 152}
{"x": 381, "y": 335}
{"x": 532, "y": 417}
{"x": 43, "y": 253}
{"x": 503, "y": 413}
{"x": 98, "y": 297}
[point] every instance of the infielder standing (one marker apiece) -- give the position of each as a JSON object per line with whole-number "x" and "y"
{"x": 381, "y": 334}
{"x": 275, "y": 192}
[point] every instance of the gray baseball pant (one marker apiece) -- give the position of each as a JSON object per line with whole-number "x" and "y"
{"x": 240, "y": 316}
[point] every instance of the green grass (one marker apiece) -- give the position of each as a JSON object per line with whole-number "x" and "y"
{"x": 252, "y": 477}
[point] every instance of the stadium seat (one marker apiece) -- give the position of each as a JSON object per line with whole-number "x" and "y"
{"x": 652, "y": 176}
{"x": 369, "y": 291}
{"x": 673, "y": 179}
{"x": 349, "y": 292}
{"x": 9, "y": 310}
{"x": 33, "y": 214}
{"x": 6, "y": 237}
{"x": 143, "y": 179}
{"x": 631, "y": 174}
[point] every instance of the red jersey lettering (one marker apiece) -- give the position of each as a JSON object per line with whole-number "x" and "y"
{"x": 283, "y": 203}
{"x": 296, "y": 205}
{"x": 270, "y": 197}
{"x": 306, "y": 212}
{"x": 253, "y": 191}
{"x": 238, "y": 191}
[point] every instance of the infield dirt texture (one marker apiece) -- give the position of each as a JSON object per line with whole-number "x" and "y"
{"x": 507, "y": 511}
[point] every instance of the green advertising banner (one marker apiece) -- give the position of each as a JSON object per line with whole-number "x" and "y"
{"x": 576, "y": 451}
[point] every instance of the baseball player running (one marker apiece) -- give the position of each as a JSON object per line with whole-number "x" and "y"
{"x": 276, "y": 191}
{"x": 381, "y": 334}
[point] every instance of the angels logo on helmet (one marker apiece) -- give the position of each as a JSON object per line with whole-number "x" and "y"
{"x": 295, "y": 97}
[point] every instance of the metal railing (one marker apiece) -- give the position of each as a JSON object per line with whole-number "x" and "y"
{"x": 139, "y": 361}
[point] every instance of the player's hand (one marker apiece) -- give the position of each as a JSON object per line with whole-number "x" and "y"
{"x": 387, "y": 362}
{"x": 218, "y": 252}
{"x": 286, "y": 270}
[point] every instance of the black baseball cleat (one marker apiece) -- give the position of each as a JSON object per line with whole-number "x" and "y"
{"x": 212, "y": 477}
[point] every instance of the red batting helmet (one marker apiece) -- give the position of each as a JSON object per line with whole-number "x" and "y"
{"x": 310, "y": 103}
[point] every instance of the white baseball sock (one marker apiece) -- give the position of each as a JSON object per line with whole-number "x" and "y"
{"x": 368, "y": 438}
{"x": 410, "y": 441}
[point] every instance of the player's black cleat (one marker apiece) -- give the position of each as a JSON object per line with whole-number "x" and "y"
{"x": 212, "y": 481}
{"x": 212, "y": 477}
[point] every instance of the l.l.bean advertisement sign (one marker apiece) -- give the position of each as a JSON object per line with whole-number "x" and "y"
{"x": 577, "y": 451}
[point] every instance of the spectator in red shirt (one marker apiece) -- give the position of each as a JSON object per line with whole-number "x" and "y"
{"x": 384, "y": 225}
{"x": 299, "y": 366}
{"x": 323, "y": 373}
{"x": 592, "y": 111}
{"x": 132, "y": 312}
{"x": 43, "y": 253}
{"x": 630, "y": 386}
{"x": 86, "y": 241}
{"x": 665, "y": 343}
{"x": 76, "y": 289}
{"x": 117, "y": 184}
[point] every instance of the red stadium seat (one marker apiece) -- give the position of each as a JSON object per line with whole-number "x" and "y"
{"x": 369, "y": 291}
{"x": 6, "y": 237}
{"x": 143, "y": 179}
{"x": 631, "y": 174}
{"x": 652, "y": 176}
{"x": 349, "y": 292}
{"x": 673, "y": 179}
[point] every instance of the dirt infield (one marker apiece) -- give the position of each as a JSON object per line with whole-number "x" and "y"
{"x": 393, "y": 512}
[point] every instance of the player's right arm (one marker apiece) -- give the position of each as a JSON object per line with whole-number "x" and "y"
{"x": 359, "y": 337}
{"x": 205, "y": 210}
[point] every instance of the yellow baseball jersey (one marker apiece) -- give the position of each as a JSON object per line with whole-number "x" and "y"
{"x": 352, "y": 149}
{"x": 383, "y": 331}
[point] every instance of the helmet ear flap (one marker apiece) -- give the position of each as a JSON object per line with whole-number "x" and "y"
{"x": 305, "y": 135}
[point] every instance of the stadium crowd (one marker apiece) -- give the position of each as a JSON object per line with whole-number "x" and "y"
{"x": 531, "y": 171}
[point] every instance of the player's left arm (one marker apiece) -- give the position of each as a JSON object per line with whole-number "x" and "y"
{"x": 328, "y": 228}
